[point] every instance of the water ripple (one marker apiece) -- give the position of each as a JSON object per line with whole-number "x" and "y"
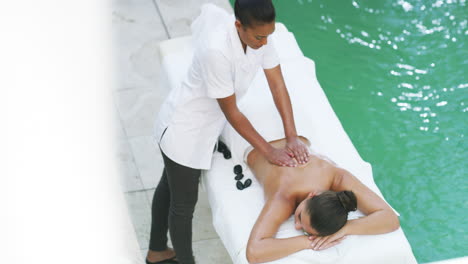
{"x": 395, "y": 73}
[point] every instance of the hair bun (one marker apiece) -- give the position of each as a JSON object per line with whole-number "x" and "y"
{"x": 348, "y": 200}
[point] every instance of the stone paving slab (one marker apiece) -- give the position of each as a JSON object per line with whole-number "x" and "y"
{"x": 130, "y": 176}
{"x": 137, "y": 29}
{"x": 179, "y": 14}
{"x": 138, "y": 109}
{"x": 140, "y": 88}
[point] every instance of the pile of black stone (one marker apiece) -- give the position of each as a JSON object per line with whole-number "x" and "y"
{"x": 237, "y": 169}
{"x": 224, "y": 149}
{"x": 239, "y": 175}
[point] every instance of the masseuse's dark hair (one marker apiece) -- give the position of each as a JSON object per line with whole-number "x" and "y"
{"x": 329, "y": 210}
{"x": 250, "y": 12}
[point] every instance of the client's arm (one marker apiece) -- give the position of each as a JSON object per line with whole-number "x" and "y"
{"x": 262, "y": 246}
{"x": 243, "y": 126}
{"x": 379, "y": 219}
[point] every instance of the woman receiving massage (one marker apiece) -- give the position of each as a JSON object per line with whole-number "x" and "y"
{"x": 319, "y": 194}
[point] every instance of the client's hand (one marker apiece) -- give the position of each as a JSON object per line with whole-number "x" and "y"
{"x": 280, "y": 157}
{"x": 298, "y": 149}
{"x": 320, "y": 243}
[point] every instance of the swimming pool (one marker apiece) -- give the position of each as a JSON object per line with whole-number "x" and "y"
{"x": 395, "y": 73}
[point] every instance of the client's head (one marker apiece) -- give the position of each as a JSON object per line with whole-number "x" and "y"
{"x": 325, "y": 213}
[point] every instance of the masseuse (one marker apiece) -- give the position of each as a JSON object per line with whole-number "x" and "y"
{"x": 225, "y": 61}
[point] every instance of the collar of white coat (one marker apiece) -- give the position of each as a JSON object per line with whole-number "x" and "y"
{"x": 245, "y": 58}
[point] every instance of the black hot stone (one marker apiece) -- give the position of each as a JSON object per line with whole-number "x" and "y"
{"x": 247, "y": 183}
{"x": 227, "y": 154}
{"x": 237, "y": 169}
{"x": 239, "y": 185}
{"x": 221, "y": 146}
{"x": 239, "y": 177}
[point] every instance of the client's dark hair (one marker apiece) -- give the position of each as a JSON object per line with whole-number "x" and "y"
{"x": 329, "y": 210}
{"x": 250, "y": 12}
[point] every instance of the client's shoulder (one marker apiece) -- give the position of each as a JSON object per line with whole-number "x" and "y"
{"x": 343, "y": 179}
{"x": 287, "y": 182}
{"x": 285, "y": 196}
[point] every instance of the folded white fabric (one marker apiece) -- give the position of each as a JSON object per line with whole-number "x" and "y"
{"x": 234, "y": 211}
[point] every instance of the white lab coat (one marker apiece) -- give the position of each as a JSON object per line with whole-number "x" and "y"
{"x": 190, "y": 119}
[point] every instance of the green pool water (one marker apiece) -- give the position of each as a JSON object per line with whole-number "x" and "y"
{"x": 396, "y": 74}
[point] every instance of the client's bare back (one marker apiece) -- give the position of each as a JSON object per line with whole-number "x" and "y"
{"x": 286, "y": 191}
{"x": 317, "y": 174}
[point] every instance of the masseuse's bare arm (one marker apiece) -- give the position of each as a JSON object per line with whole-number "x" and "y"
{"x": 282, "y": 101}
{"x": 262, "y": 246}
{"x": 280, "y": 94}
{"x": 243, "y": 126}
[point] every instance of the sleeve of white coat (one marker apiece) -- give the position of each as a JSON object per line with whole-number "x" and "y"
{"x": 216, "y": 74}
{"x": 270, "y": 56}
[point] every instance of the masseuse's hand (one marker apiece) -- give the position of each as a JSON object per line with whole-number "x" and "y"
{"x": 297, "y": 149}
{"x": 280, "y": 157}
{"x": 324, "y": 242}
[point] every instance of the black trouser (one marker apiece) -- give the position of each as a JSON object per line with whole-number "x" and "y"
{"x": 173, "y": 206}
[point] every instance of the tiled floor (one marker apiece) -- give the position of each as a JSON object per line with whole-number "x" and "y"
{"x": 138, "y": 27}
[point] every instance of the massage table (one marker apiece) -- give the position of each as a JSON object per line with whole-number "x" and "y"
{"x": 234, "y": 212}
